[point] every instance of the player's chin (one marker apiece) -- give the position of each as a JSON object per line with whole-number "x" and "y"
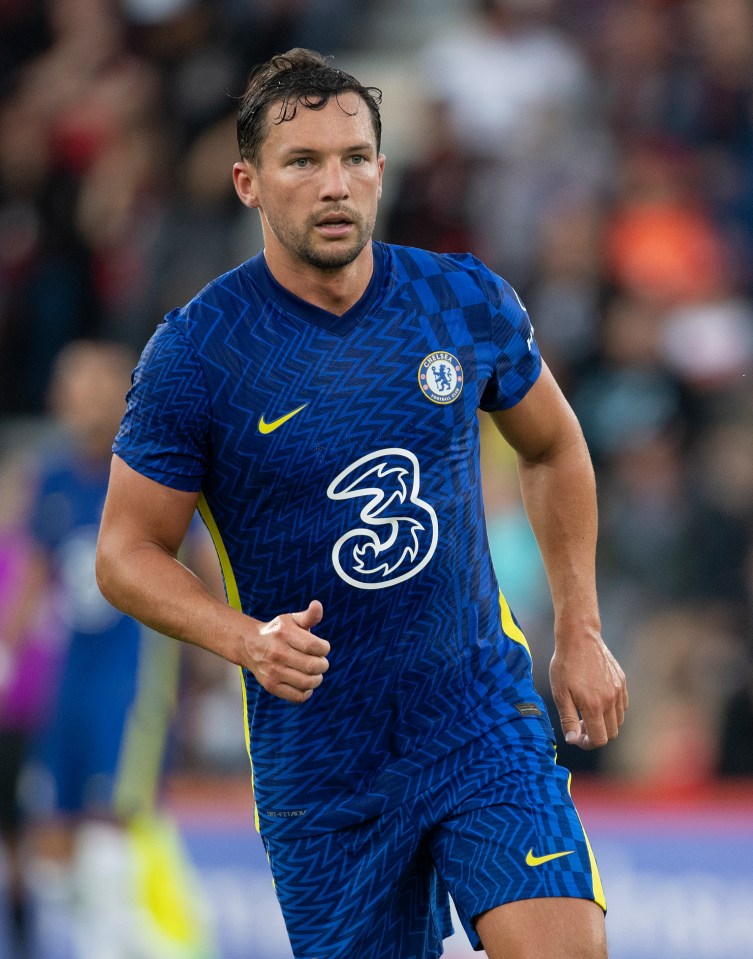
{"x": 335, "y": 255}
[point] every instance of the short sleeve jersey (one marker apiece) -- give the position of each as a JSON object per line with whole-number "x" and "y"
{"x": 336, "y": 458}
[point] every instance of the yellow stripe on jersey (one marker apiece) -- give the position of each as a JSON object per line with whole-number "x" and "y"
{"x": 599, "y": 897}
{"x": 231, "y": 587}
{"x": 234, "y": 600}
{"x": 510, "y": 626}
{"x": 248, "y": 747}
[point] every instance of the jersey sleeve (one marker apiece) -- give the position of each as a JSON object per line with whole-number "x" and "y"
{"x": 516, "y": 357}
{"x": 165, "y": 432}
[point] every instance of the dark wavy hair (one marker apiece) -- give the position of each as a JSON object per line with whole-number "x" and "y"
{"x": 297, "y": 77}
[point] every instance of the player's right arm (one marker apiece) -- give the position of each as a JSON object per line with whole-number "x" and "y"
{"x": 143, "y": 526}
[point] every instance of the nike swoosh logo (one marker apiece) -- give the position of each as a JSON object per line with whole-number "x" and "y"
{"x": 532, "y": 860}
{"x": 265, "y": 427}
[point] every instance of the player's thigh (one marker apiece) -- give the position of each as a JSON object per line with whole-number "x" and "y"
{"x": 365, "y": 892}
{"x": 517, "y": 837}
{"x": 544, "y": 928}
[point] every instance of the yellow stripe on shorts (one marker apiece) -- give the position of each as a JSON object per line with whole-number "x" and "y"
{"x": 510, "y": 627}
{"x": 599, "y": 897}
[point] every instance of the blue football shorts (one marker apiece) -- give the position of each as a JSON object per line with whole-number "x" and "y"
{"x": 501, "y": 827}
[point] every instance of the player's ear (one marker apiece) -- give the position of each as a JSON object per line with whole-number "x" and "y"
{"x": 380, "y": 167}
{"x": 244, "y": 181}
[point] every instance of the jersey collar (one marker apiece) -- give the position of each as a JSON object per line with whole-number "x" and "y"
{"x": 262, "y": 277}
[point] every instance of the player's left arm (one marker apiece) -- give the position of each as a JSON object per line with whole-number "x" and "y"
{"x": 559, "y": 493}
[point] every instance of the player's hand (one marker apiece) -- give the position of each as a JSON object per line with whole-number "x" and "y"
{"x": 589, "y": 690}
{"x": 286, "y": 657}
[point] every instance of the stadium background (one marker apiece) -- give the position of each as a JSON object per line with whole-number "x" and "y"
{"x": 599, "y": 155}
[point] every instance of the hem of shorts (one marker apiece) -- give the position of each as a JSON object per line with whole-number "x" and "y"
{"x": 437, "y": 954}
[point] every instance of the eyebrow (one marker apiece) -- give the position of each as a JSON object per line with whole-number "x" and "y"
{"x": 355, "y": 148}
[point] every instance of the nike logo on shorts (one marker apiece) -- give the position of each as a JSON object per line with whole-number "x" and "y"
{"x": 532, "y": 860}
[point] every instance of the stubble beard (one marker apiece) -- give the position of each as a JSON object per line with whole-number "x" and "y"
{"x": 332, "y": 255}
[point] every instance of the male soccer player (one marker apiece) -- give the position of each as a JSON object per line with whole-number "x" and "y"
{"x": 319, "y": 405}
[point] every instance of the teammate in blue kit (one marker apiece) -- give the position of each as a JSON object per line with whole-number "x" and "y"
{"x": 318, "y": 404}
{"x": 76, "y": 758}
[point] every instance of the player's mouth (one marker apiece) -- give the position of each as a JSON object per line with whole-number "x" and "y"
{"x": 334, "y": 225}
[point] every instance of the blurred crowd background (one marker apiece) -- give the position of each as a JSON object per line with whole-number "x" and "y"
{"x": 596, "y": 153}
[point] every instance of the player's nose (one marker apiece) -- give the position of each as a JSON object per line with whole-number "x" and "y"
{"x": 334, "y": 180}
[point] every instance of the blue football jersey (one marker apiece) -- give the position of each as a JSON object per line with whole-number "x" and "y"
{"x": 337, "y": 459}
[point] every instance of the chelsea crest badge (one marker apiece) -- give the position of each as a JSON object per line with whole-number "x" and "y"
{"x": 440, "y": 377}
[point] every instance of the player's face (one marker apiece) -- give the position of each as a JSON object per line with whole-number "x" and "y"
{"x": 317, "y": 184}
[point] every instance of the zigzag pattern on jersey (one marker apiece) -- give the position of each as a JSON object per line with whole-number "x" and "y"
{"x": 417, "y": 669}
{"x": 175, "y": 453}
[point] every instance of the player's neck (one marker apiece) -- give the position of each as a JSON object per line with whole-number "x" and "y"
{"x": 333, "y": 290}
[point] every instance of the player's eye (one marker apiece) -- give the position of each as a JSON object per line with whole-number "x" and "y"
{"x": 357, "y": 159}
{"x": 301, "y": 162}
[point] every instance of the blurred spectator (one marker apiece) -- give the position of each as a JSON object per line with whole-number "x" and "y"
{"x": 648, "y": 84}
{"x": 721, "y": 36}
{"x": 23, "y": 35}
{"x": 661, "y": 244}
{"x": 709, "y": 346}
{"x": 685, "y": 660}
{"x": 46, "y": 273}
{"x": 203, "y": 212}
{"x": 189, "y": 44}
{"x": 624, "y": 396}
{"x": 430, "y": 207}
{"x": 519, "y": 97}
{"x": 736, "y": 746}
{"x": 736, "y": 737}
{"x": 646, "y": 520}
{"x": 565, "y": 294}
{"x": 721, "y": 474}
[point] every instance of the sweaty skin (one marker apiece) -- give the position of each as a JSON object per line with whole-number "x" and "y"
{"x": 317, "y": 185}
